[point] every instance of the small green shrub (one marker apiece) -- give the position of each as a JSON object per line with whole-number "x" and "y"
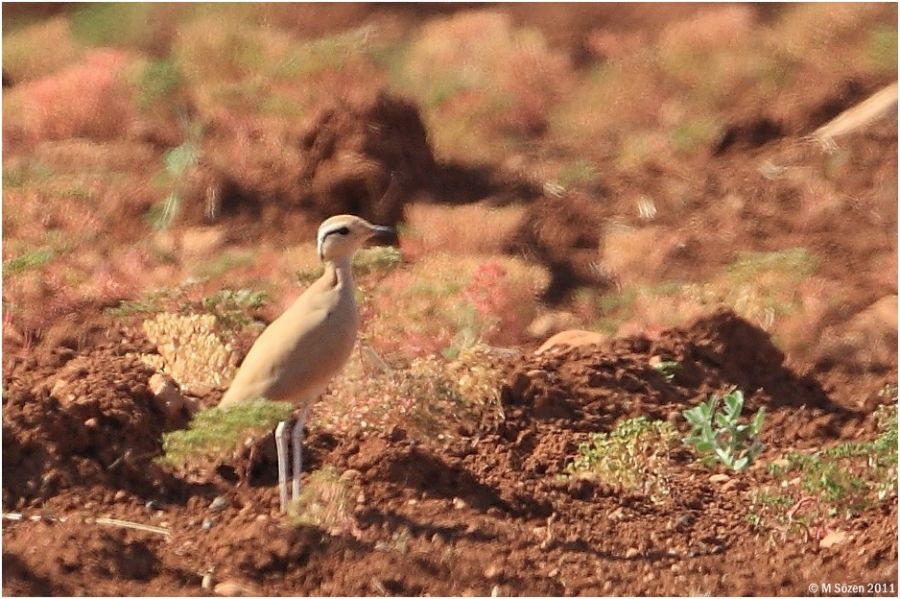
{"x": 810, "y": 489}
{"x": 161, "y": 215}
{"x": 29, "y": 261}
{"x": 325, "y": 503}
{"x": 734, "y": 445}
{"x": 576, "y": 173}
{"x": 231, "y": 306}
{"x": 179, "y": 162}
{"x": 215, "y": 431}
{"x": 882, "y": 49}
{"x": 376, "y": 259}
{"x": 850, "y": 476}
{"x": 223, "y": 263}
{"x": 694, "y": 134}
{"x": 667, "y": 368}
{"x": 632, "y": 456}
{"x": 157, "y": 81}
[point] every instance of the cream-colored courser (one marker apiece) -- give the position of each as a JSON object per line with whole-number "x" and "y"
{"x": 299, "y": 353}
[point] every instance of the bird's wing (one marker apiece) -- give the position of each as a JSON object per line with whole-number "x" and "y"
{"x": 291, "y": 356}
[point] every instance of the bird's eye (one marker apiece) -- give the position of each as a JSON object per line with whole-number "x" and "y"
{"x": 342, "y": 230}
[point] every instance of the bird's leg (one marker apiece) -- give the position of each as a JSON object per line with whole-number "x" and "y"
{"x": 281, "y": 442}
{"x": 297, "y": 440}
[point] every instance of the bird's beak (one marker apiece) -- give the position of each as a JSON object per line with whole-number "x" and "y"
{"x": 383, "y": 236}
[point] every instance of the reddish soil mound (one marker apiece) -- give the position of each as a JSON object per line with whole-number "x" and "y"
{"x": 78, "y": 420}
{"x": 355, "y": 153}
{"x": 585, "y": 390}
{"x": 454, "y": 517}
{"x": 362, "y": 157}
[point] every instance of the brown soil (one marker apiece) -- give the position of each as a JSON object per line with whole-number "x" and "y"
{"x": 484, "y": 510}
{"x": 366, "y": 157}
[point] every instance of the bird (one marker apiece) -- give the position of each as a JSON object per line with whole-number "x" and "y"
{"x": 297, "y": 355}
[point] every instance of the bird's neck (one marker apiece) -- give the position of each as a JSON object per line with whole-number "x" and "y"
{"x": 341, "y": 272}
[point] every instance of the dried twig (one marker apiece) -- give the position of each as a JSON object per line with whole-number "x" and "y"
{"x": 135, "y": 525}
{"x": 18, "y": 517}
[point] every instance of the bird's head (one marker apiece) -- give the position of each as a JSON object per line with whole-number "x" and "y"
{"x": 340, "y": 236}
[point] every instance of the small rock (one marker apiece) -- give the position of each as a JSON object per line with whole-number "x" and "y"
{"x": 572, "y": 338}
{"x": 91, "y": 423}
{"x": 414, "y": 502}
{"x": 617, "y": 514}
{"x": 835, "y": 537}
{"x": 632, "y": 553}
{"x": 233, "y": 588}
{"x": 168, "y": 397}
{"x": 553, "y": 573}
{"x": 218, "y": 504}
{"x": 262, "y": 517}
{"x": 57, "y": 392}
{"x": 550, "y": 323}
{"x": 207, "y": 524}
{"x": 492, "y": 572}
{"x": 649, "y": 576}
{"x": 495, "y": 591}
{"x": 675, "y": 568}
{"x": 361, "y": 498}
{"x": 735, "y": 484}
{"x": 349, "y": 475}
{"x": 459, "y": 503}
{"x": 120, "y": 496}
{"x": 719, "y": 478}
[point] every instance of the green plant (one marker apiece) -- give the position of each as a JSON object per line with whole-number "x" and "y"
{"x": 29, "y": 260}
{"x": 812, "y": 489}
{"x": 214, "y": 431}
{"x": 376, "y": 259}
{"x": 632, "y": 456}
{"x": 850, "y": 476}
{"x": 161, "y": 215}
{"x": 157, "y": 81}
{"x": 578, "y": 172}
{"x": 230, "y": 306}
{"x": 149, "y": 303}
{"x": 882, "y": 49}
{"x": 734, "y": 445}
{"x": 691, "y": 134}
{"x": 179, "y": 162}
{"x": 667, "y": 368}
{"x": 223, "y": 263}
{"x": 748, "y": 266}
{"x": 325, "y": 503}
{"x": 115, "y": 24}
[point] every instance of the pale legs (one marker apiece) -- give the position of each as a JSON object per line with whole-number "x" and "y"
{"x": 281, "y": 446}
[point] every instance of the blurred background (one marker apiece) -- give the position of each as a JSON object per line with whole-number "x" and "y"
{"x": 617, "y": 168}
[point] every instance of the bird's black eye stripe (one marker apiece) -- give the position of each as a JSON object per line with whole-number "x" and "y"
{"x": 341, "y": 231}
